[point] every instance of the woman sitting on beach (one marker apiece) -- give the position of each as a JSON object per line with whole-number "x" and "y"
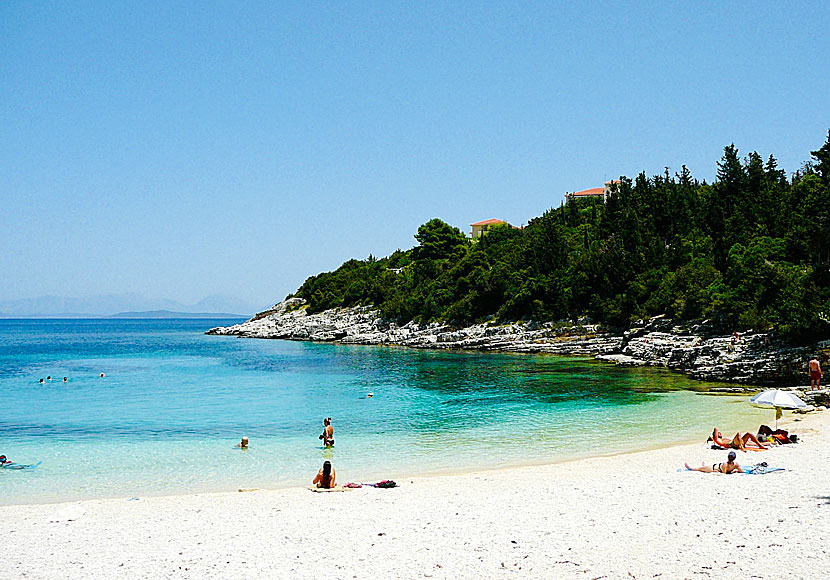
{"x": 745, "y": 442}
{"x": 729, "y": 467}
{"x": 325, "y": 477}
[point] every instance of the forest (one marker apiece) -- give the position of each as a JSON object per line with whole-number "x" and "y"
{"x": 748, "y": 251}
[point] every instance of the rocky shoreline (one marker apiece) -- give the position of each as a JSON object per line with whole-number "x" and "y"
{"x": 690, "y": 348}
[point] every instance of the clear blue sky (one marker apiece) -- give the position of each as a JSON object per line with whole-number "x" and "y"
{"x": 182, "y": 149}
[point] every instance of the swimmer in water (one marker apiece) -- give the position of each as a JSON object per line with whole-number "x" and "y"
{"x": 65, "y": 379}
{"x": 102, "y": 375}
{"x": 243, "y": 444}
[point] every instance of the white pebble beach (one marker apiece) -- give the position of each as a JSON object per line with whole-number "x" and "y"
{"x": 625, "y": 516}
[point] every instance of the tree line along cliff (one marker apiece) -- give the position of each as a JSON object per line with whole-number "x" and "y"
{"x": 751, "y": 250}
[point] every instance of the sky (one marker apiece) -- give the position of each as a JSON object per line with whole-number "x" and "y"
{"x": 185, "y": 149}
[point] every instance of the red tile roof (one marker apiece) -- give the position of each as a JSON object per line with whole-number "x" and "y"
{"x": 592, "y": 191}
{"x": 488, "y": 222}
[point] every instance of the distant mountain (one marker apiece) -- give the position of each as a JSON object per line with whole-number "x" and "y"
{"x": 170, "y": 314}
{"x": 109, "y": 304}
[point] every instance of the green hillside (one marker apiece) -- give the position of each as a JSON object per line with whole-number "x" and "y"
{"x": 751, "y": 250}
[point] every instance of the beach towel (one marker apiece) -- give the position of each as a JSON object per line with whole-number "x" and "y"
{"x": 761, "y": 469}
{"x": 328, "y": 489}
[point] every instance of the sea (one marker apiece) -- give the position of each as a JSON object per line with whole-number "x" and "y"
{"x": 173, "y": 403}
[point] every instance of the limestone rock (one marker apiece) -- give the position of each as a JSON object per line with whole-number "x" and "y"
{"x": 692, "y": 349}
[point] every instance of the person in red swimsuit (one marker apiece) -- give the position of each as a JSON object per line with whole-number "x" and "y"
{"x": 815, "y": 373}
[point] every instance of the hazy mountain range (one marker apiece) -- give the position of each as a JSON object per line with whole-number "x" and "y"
{"x": 129, "y": 305}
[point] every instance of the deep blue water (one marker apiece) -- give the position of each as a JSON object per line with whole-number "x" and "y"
{"x": 174, "y": 402}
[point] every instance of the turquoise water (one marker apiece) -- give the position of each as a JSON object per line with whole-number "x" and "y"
{"x": 174, "y": 403}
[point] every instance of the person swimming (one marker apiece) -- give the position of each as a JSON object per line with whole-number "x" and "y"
{"x": 325, "y": 477}
{"x": 4, "y": 461}
{"x": 243, "y": 444}
{"x": 729, "y": 467}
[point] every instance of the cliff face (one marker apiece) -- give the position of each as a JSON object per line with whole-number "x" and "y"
{"x": 691, "y": 349}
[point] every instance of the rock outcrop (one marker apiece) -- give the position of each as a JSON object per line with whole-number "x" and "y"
{"x": 693, "y": 349}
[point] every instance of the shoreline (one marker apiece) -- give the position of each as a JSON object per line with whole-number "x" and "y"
{"x": 520, "y": 461}
{"x": 182, "y": 485}
{"x": 784, "y": 423}
{"x": 632, "y": 514}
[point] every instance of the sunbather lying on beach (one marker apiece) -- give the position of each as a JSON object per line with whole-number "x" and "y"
{"x": 729, "y": 467}
{"x": 777, "y": 437}
{"x": 745, "y": 442}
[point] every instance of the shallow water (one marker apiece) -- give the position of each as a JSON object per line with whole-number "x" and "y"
{"x": 174, "y": 403}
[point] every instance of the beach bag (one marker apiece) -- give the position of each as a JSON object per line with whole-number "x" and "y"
{"x": 386, "y": 483}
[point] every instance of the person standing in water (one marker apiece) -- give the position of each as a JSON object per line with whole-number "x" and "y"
{"x": 328, "y": 433}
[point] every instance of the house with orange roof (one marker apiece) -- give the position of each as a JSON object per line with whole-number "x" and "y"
{"x": 593, "y": 192}
{"x": 480, "y": 228}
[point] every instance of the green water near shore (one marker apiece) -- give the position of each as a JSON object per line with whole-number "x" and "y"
{"x": 175, "y": 402}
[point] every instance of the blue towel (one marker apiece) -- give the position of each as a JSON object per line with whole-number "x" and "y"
{"x": 760, "y": 469}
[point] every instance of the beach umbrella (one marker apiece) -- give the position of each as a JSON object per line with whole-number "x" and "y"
{"x": 778, "y": 399}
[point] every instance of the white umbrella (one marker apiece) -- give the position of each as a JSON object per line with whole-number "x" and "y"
{"x": 778, "y": 399}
